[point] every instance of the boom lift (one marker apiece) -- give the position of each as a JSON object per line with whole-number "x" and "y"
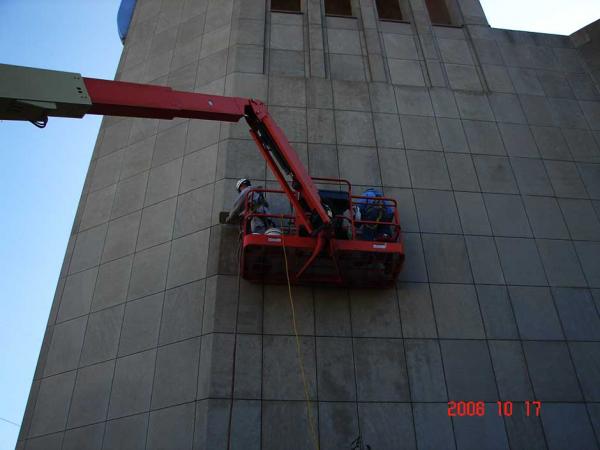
{"x": 320, "y": 237}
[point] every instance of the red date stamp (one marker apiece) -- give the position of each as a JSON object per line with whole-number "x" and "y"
{"x": 503, "y": 408}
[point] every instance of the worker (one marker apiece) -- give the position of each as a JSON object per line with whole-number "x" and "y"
{"x": 346, "y": 223}
{"x": 257, "y": 204}
{"x": 374, "y": 209}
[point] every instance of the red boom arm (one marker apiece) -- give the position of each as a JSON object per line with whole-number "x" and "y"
{"x": 117, "y": 98}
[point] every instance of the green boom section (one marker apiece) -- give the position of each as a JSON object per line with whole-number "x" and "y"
{"x": 34, "y": 94}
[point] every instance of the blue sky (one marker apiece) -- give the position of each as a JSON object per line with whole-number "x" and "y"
{"x": 543, "y": 16}
{"x": 42, "y": 171}
{"x": 41, "y": 177}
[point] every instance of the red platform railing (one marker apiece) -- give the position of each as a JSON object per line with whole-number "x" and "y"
{"x": 345, "y": 258}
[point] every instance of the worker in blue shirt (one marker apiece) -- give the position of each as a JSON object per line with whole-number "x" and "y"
{"x": 373, "y": 208}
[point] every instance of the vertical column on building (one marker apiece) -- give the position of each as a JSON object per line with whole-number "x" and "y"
{"x": 316, "y": 49}
{"x": 431, "y": 57}
{"x": 373, "y": 41}
{"x": 218, "y": 411}
{"x": 472, "y": 12}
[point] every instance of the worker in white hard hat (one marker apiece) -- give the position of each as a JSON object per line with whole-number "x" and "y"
{"x": 257, "y": 204}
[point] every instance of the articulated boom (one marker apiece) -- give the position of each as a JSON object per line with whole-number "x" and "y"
{"x": 116, "y": 98}
{"x": 36, "y": 94}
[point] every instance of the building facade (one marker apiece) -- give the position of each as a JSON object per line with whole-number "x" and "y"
{"x": 490, "y": 141}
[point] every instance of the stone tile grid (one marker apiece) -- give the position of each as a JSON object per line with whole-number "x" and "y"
{"x": 101, "y": 308}
{"x": 117, "y": 174}
{"x": 156, "y": 131}
{"x": 107, "y": 262}
{"x": 79, "y": 354}
{"x": 528, "y": 371}
{"x": 167, "y": 198}
{"x": 478, "y": 314}
{"x": 81, "y": 366}
{"x": 174, "y": 195}
{"x": 282, "y": 400}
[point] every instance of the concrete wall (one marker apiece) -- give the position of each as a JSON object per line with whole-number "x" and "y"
{"x": 587, "y": 40}
{"x": 490, "y": 141}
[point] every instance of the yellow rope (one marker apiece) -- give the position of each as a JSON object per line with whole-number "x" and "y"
{"x": 298, "y": 350}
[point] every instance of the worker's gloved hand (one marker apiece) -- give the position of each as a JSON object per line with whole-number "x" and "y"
{"x": 224, "y": 217}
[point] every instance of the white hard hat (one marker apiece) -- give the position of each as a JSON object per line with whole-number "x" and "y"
{"x": 240, "y": 182}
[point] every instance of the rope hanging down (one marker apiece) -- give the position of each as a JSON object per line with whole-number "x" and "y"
{"x": 298, "y": 349}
